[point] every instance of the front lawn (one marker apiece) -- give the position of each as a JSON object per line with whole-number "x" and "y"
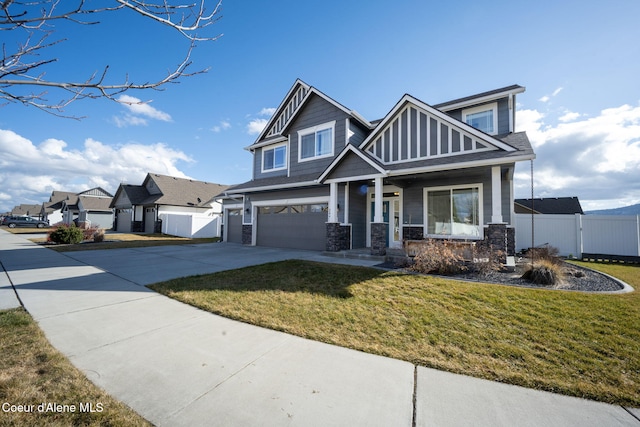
{"x": 579, "y": 344}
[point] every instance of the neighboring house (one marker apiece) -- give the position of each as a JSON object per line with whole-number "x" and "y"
{"x": 89, "y": 208}
{"x": 325, "y": 178}
{"x": 549, "y": 206}
{"x": 52, "y": 210}
{"x": 170, "y": 205}
{"x": 26, "y": 210}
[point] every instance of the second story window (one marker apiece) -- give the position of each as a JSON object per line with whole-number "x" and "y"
{"x": 484, "y": 118}
{"x": 274, "y": 158}
{"x": 316, "y": 142}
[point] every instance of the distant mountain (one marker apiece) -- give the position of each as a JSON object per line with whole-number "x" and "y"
{"x": 626, "y": 210}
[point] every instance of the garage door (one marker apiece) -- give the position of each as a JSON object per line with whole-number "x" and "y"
{"x": 124, "y": 220}
{"x": 234, "y": 226}
{"x": 293, "y": 226}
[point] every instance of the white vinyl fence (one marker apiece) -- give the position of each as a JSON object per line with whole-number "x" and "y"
{"x": 581, "y": 234}
{"x": 190, "y": 226}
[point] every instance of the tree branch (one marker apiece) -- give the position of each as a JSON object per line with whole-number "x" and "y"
{"x": 17, "y": 69}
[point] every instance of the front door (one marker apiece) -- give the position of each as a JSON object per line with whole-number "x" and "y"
{"x": 391, "y": 217}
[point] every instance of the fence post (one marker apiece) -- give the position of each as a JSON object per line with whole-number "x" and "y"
{"x": 638, "y": 233}
{"x": 579, "y": 244}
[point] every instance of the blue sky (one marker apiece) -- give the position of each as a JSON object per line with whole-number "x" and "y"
{"x": 579, "y": 60}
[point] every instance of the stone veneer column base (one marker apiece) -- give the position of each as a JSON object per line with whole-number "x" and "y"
{"x": 499, "y": 237}
{"x": 378, "y": 238}
{"x": 338, "y": 237}
{"x": 246, "y": 234}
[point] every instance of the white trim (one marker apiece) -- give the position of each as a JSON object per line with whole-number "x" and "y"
{"x": 486, "y": 98}
{"x": 369, "y": 199}
{"x": 277, "y": 140}
{"x": 278, "y": 187}
{"x": 493, "y": 107}
{"x": 438, "y": 115}
{"x": 292, "y": 201}
{"x": 295, "y": 87}
{"x": 314, "y": 130}
{"x": 274, "y": 147}
{"x": 343, "y": 153}
{"x": 425, "y": 211}
{"x": 496, "y": 195}
{"x": 461, "y": 165}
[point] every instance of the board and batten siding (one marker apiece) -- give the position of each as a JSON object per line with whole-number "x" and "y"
{"x": 414, "y": 134}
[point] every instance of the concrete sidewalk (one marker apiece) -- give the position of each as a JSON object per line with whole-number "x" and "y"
{"x": 177, "y": 365}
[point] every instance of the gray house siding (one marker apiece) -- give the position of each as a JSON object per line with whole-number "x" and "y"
{"x": 316, "y": 112}
{"x": 359, "y": 134}
{"x": 357, "y": 216}
{"x": 503, "y": 115}
{"x": 350, "y": 166}
{"x": 257, "y": 166}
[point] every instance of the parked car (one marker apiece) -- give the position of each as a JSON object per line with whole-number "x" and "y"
{"x": 23, "y": 221}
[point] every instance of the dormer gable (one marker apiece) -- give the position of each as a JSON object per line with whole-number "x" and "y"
{"x": 492, "y": 112}
{"x": 414, "y": 130}
{"x": 299, "y": 94}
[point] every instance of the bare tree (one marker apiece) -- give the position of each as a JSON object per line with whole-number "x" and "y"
{"x": 23, "y": 64}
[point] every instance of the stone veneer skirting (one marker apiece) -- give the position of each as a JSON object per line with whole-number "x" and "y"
{"x": 338, "y": 237}
{"x": 378, "y": 238}
{"x": 412, "y": 232}
{"x": 502, "y": 238}
{"x": 246, "y": 234}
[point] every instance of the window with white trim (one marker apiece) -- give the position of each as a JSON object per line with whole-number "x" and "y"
{"x": 316, "y": 142}
{"x": 484, "y": 118}
{"x": 454, "y": 211}
{"x": 274, "y": 158}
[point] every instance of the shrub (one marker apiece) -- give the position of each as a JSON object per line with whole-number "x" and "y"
{"x": 98, "y": 236}
{"x": 65, "y": 234}
{"x": 88, "y": 232}
{"x": 440, "y": 257}
{"x": 544, "y": 272}
{"x": 486, "y": 260}
{"x": 548, "y": 253}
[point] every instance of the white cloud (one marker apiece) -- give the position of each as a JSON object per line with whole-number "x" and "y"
{"x": 267, "y": 112}
{"x": 29, "y": 172}
{"x": 569, "y": 117}
{"x": 223, "y": 125}
{"x": 595, "y": 158}
{"x": 547, "y": 98}
{"x": 256, "y": 126}
{"x": 138, "y": 112}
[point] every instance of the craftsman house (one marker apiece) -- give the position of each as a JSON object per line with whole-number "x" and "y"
{"x": 326, "y": 178}
{"x": 170, "y": 205}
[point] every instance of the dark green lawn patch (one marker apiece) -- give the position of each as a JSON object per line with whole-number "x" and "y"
{"x": 579, "y": 344}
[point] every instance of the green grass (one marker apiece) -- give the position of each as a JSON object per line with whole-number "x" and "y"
{"x": 578, "y": 344}
{"x": 33, "y": 372}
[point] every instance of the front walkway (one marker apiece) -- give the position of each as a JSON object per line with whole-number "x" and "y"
{"x": 177, "y": 365}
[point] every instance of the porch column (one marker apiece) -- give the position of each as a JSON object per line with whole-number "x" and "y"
{"x": 333, "y": 202}
{"x": 377, "y": 213}
{"x": 496, "y": 195}
{"x": 378, "y": 227}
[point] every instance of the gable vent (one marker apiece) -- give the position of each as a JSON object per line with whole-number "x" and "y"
{"x": 288, "y": 111}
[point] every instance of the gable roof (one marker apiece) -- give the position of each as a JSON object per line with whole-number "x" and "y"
{"x": 291, "y": 105}
{"x": 367, "y": 165}
{"x": 56, "y": 200}
{"x": 26, "y": 209}
{"x": 480, "y": 98}
{"x": 95, "y": 204}
{"x": 550, "y": 205}
{"x": 181, "y": 191}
